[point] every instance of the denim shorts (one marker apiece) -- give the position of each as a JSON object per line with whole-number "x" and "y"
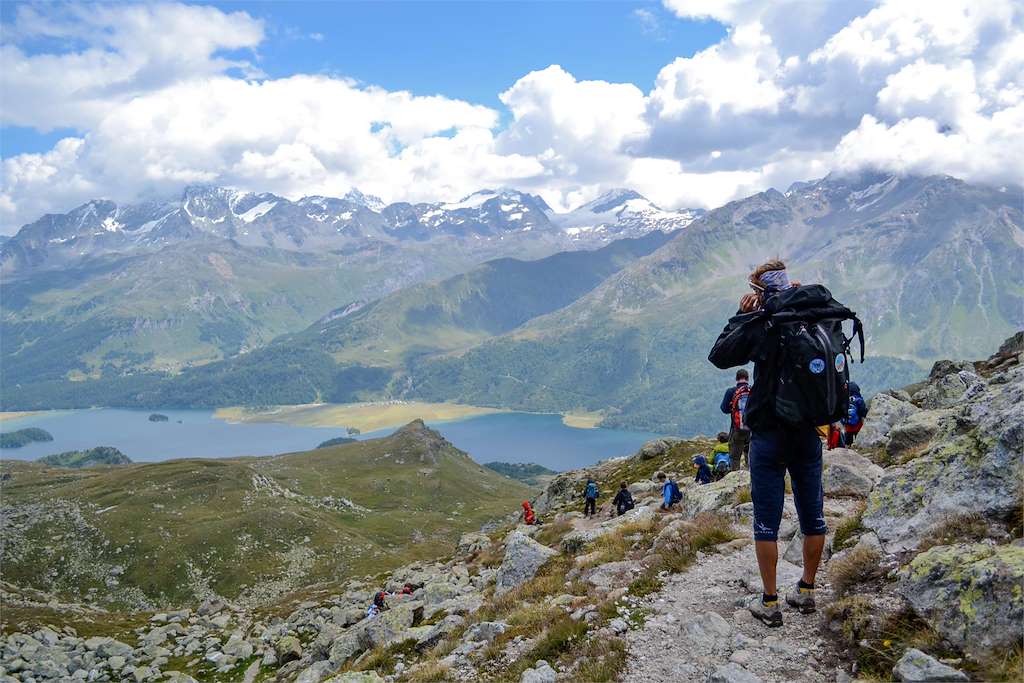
{"x": 772, "y": 453}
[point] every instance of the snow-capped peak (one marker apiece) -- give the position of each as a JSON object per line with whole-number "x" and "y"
{"x": 371, "y": 202}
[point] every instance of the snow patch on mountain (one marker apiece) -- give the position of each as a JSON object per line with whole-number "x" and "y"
{"x": 256, "y": 211}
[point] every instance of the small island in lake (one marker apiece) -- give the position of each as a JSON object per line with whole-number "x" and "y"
{"x": 23, "y": 437}
{"x": 526, "y": 472}
{"x": 337, "y": 441}
{"x": 353, "y": 430}
{"x": 101, "y": 455}
{"x": 157, "y": 417}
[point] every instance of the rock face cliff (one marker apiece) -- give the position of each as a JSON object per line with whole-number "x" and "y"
{"x": 922, "y": 577}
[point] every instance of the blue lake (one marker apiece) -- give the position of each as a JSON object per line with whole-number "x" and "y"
{"x": 509, "y": 437}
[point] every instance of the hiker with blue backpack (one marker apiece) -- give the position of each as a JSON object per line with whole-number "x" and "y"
{"x": 855, "y": 415}
{"x": 734, "y": 404}
{"x": 670, "y": 493}
{"x": 794, "y": 336}
{"x": 721, "y": 461}
{"x": 590, "y": 494}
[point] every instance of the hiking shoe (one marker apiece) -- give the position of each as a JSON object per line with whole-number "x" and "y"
{"x": 801, "y": 598}
{"x": 769, "y": 614}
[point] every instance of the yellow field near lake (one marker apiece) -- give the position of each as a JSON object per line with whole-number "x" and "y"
{"x": 14, "y": 415}
{"x": 366, "y": 417}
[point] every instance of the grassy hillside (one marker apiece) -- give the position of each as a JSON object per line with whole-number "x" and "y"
{"x": 249, "y": 529}
{"x": 352, "y": 354}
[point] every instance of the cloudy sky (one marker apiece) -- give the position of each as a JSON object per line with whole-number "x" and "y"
{"x": 691, "y": 102}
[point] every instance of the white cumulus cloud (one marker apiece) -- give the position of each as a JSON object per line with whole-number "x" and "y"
{"x": 169, "y": 94}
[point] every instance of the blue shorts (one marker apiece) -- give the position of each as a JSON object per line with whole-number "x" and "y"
{"x": 771, "y": 454}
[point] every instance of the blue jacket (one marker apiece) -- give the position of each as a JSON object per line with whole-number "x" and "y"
{"x": 703, "y": 471}
{"x": 666, "y": 492}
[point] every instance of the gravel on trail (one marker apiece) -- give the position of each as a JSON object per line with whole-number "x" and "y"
{"x": 699, "y": 630}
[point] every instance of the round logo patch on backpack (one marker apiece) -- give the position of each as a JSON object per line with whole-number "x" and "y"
{"x": 840, "y": 362}
{"x": 817, "y": 366}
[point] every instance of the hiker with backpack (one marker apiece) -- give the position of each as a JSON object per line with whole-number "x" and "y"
{"x": 855, "y": 415}
{"x": 721, "y": 462}
{"x": 623, "y": 500}
{"x": 703, "y": 475}
{"x": 590, "y": 494}
{"x": 529, "y": 516}
{"x": 670, "y": 493}
{"x": 734, "y": 404}
{"x": 795, "y": 338}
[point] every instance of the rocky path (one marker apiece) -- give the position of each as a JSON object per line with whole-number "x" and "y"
{"x": 698, "y": 629}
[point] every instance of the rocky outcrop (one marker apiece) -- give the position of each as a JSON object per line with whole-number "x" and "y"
{"x": 885, "y": 410}
{"x": 523, "y": 557}
{"x": 848, "y": 473}
{"x": 970, "y": 462}
{"x": 970, "y": 594}
{"x": 715, "y": 496}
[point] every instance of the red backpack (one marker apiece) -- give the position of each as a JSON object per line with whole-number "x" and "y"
{"x": 739, "y": 407}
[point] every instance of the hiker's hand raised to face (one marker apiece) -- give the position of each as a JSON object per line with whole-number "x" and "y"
{"x": 750, "y": 302}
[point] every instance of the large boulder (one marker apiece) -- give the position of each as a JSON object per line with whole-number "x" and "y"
{"x": 387, "y": 626}
{"x": 918, "y": 667}
{"x": 656, "y": 447}
{"x": 970, "y": 594}
{"x": 973, "y": 464}
{"x": 523, "y": 557}
{"x": 885, "y": 411}
{"x": 718, "y": 495}
{"x": 848, "y": 473}
{"x": 915, "y": 432}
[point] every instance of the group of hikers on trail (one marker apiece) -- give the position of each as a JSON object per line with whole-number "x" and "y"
{"x": 380, "y": 599}
{"x": 800, "y": 394}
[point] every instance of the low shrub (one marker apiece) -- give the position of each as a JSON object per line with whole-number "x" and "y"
{"x": 857, "y": 567}
{"x": 742, "y": 495}
{"x": 602, "y": 660}
{"x": 559, "y": 637}
{"x": 645, "y": 584}
{"x": 848, "y": 529}
{"x": 430, "y": 671}
{"x": 962, "y": 527}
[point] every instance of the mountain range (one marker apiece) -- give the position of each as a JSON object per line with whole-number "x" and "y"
{"x": 933, "y": 266}
{"x": 161, "y": 286}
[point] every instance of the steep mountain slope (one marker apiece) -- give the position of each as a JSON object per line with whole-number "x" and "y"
{"x": 455, "y": 313}
{"x": 354, "y": 352}
{"x": 932, "y": 265}
{"x": 248, "y": 529}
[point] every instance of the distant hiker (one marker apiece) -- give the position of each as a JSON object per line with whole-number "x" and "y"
{"x": 721, "y": 462}
{"x": 855, "y": 415}
{"x": 623, "y": 500}
{"x": 670, "y": 493}
{"x": 734, "y": 404}
{"x": 590, "y": 494}
{"x": 380, "y": 601}
{"x": 528, "y": 515}
{"x": 372, "y": 611}
{"x": 703, "y": 471}
{"x": 407, "y": 589}
{"x": 794, "y": 336}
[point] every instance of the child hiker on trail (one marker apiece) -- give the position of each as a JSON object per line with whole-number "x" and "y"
{"x": 703, "y": 471}
{"x": 721, "y": 460}
{"x": 623, "y": 500}
{"x": 528, "y": 515}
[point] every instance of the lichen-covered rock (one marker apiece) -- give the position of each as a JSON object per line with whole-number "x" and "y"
{"x": 973, "y": 464}
{"x": 356, "y": 677}
{"x": 970, "y": 594}
{"x": 885, "y": 411}
{"x": 915, "y": 432}
{"x": 842, "y": 480}
{"x": 288, "y": 649}
{"x": 715, "y": 496}
{"x": 541, "y": 672}
{"x": 387, "y": 626}
{"x": 916, "y": 666}
{"x": 470, "y": 543}
{"x": 947, "y": 385}
{"x": 523, "y": 557}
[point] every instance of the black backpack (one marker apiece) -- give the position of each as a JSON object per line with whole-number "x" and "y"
{"x": 627, "y": 501}
{"x": 813, "y": 354}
